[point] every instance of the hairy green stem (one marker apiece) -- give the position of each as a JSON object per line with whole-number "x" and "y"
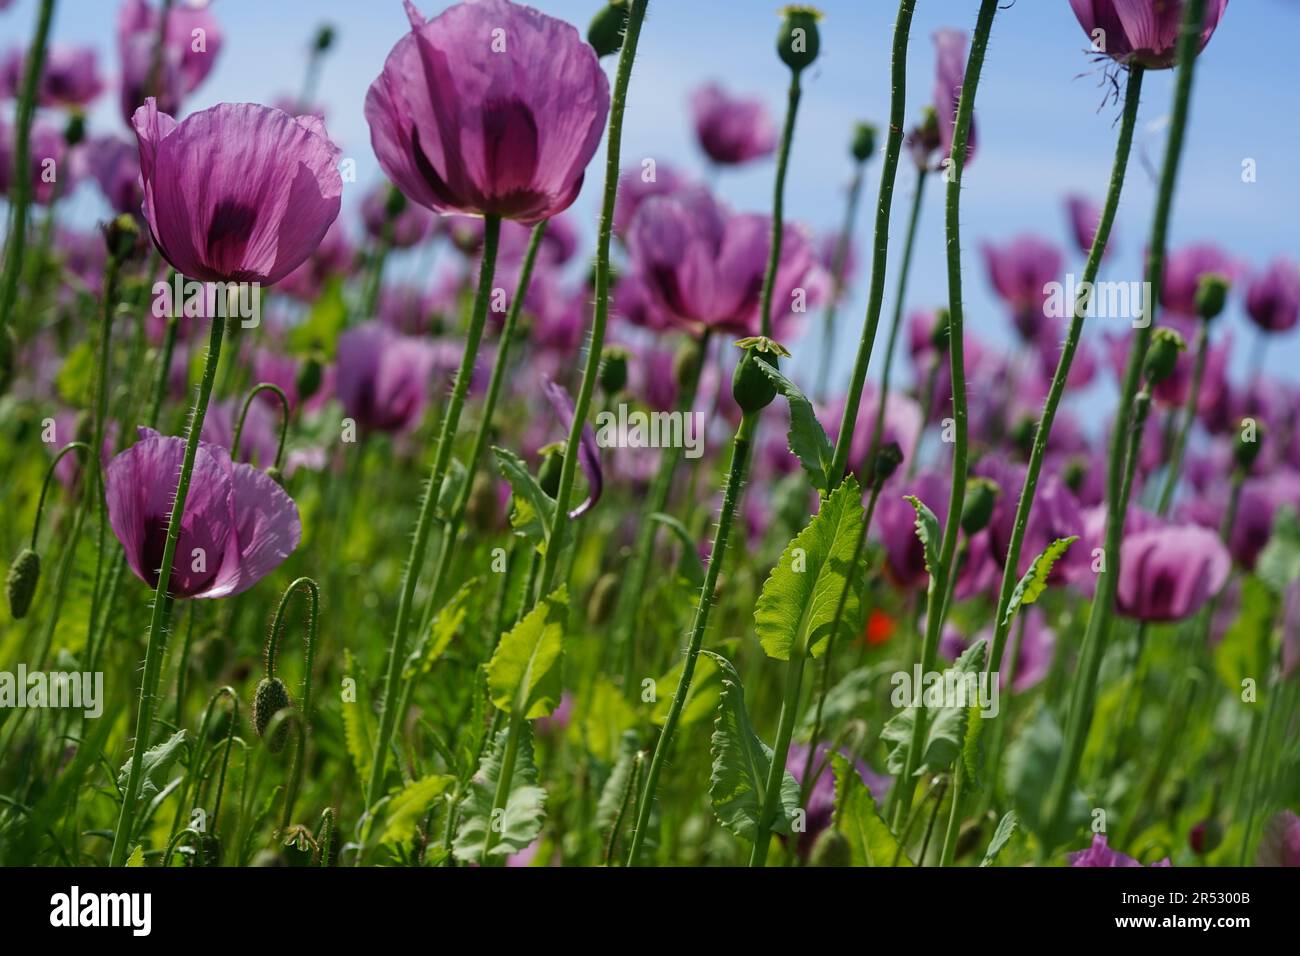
{"x": 780, "y": 753}
{"x": 778, "y": 206}
{"x": 257, "y": 389}
{"x": 842, "y": 244}
{"x": 1175, "y": 464}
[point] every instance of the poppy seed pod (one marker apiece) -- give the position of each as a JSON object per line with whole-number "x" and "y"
{"x": 798, "y": 42}
{"x": 324, "y": 38}
{"x": 1246, "y": 449}
{"x": 1162, "y": 357}
{"x": 20, "y": 583}
{"x": 269, "y": 699}
{"x": 750, "y": 387}
{"x": 309, "y": 378}
{"x": 75, "y": 132}
{"x": 864, "y": 141}
{"x": 888, "y": 458}
{"x": 606, "y": 31}
{"x": 981, "y": 497}
{"x": 613, "y": 369}
{"x": 1211, "y": 295}
{"x": 831, "y": 849}
{"x": 121, "y": 236}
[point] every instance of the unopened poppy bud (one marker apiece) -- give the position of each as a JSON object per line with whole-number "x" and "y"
{"x": 75, "y": 132}
{"x": 606, "y": 31}
{"x": 831, "y": 849}
{"x": 1247, "y": 448}
{"x": 324, "y": 37}
{"x": 1023, "y": 432}
{"x": 395, "y": 204}
{"x": 1162, "y": 357}
{"x": 309, "y": 378}
{"x": 613, "y": 369}
{"x": 798, "y": 42}
{"x": 20, "y": 583}
{"x": 269, "y": 699}
{"x": 603, "y": 598}
{"x": 751, "y": 388}
{"x": 548, "y": 472}
{"x": 888, "y": 458}
{"x": 1205, "y": 837}
{"x": 122, "y": 235}
{"x": 864, "y": 141}
{"x": 1211, "y": 295}
{"x": 981, "y": 497}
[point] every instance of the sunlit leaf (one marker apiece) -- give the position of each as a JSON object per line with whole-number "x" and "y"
{"x": 524, "y": 673}
{"x": 520, "y": 821}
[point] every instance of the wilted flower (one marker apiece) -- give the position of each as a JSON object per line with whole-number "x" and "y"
{"x": 731, "y": 130}
{"x": 1142, "y": 32}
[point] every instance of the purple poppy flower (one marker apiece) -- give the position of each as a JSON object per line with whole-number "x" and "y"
{"x": 895, "y": 522}
{"x": 902, "y": 424}
{"x": 731, "y": 130}
{"x": 1184, "y": 270}
{"x": 1085, "y": 216}
{"x": 1280, "y": 844}
{"x": 1099, "y": 854}
{"x": 410, "y": 227}
{"x": 632, "y": 302}
{"x": 238, "y": 192}
{"x": 949, "y": 74}
{"x": 1273, "y": 296}
{"x": 1260, "y": 501}
{"x": 704, "y": 265}
{"x": 191, "y": 41}
{"x": 69, "y": 76}
{"x": 637, "y": 184}
{"x": 1020, "y": 272}
{"x": 237, "y": 528}
{"x": 1055, "y": 513}
{"x": 588, "y": 451}
{"x": 821, "y": 795}
{"x": 383, "y": 379}
{"x": 51, "y": 168}
{"x": 490, "y": 108}
{"x": 115, "y": 164}
{"x": 1169, "y": 573}
{"x": 1144, "y": 32}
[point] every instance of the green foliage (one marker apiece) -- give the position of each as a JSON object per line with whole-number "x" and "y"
{"x": 946, "y": 728}
{"x": 406, "y": 808}
{"x": 532, "y": 508}
{"x": 927, "y": 529}
{"x": 689, "y": 564}
{"x": 1030, "y": 764}
{"x": 519, "y": 821}
{"x": 807, "y": 439}
{"x": 1278, "y": 565}
{"x": 524, "y": 673}
{"x": 355, "y": 735}
{"x": 1034, "y": 581}
{"x": 154, "y": 765}
{"x": 1001, "y": 836}
{"x": 446, "y": 624}
{"x": 325, "y": 321}
{"x": 871, "y": 842}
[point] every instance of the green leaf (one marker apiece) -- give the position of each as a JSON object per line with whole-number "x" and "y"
{"x": 807, "y": 438}
{"x": 533, "y": 508}
{"x": 871, "y": 842}
{"x": 319, "y": 332}
{"x": 604, "y": 717}
{"x": 520, "y": 820}
{"x": 1278, "y": 565}
{"x": 741, "y": 762}
{"x": 155, "y": 763}
{"x": 945, "y": 733}
{"x": 690, "y": 566}
{"x": 796, "y": 610}
{"x": 611, "y": 795}
{"x": 410, "y": 804}
{"x": 1006, "y": 828}
{"x": 927, "y": 529}
{"x": 76, "y": 376}
{"x": 136, "y": 859}
{"x": 524, "y": 673}
{"x": 1030, "y": 766}
{"x": 355, "y": 736}
{"x": 972, "y": 749}
{"x": 1244, "y": 650}
{"x": 445, "y": 626}
{"x": 1034, "y": 581}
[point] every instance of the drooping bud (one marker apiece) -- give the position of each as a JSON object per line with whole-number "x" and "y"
{"x": 548, "y": 472}
{"x": 1205, "y": 837}
{"x": 981, "y": 497}
{"x": 269, "y": 699}
{"x": 1211, "y": 295}
{"x": 20, "y": 583}
{"x": 1248, "y": 446}
{"x": 831, "y": 849}
{"x": 324, "y": 38}
{"x": 309, "y": 378}
{"x": 864, "y": 141}
{"x": 606, "y": 31}
{"x": 888, "y": 458}
{"x": 603, "y": 598}
{"x": 753, "y": 390}
{"x": 613, "y": 369}
{"x": 798, "y": 41}
{"x": 122, "y": 236}
{"x": 1162, "y": 356}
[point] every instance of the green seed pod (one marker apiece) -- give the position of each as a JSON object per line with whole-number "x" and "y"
{"x": 1212, "y": 295}
{"x": 20, "y": 583}
{"x": 1248, "y": 446}
{"x": 603, "y": 598}
{"x": 750, "y": 387}
{"x": 122, "y": 236}
{"x": 1075, "y": 470}
{"x": 324, "y": 37}
{"x": 1162, "y": 356}
{"x": 831, "y": 849}
{"x": 396, "y": 203}
{"x": 864, "y": 141}
{"x": 74, "y": 134}
{"x": 548, "y": 472}
{"x": 309, "y": 378}
{"x": 613, "y": 369}
{"x": 981, "y": 497}
{"x": 798, "y": 41}
{"x": 606, "y": 31}
{"x": 269, "y": 699}
{"x": 888, "y": 458}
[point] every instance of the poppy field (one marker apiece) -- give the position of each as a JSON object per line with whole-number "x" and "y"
{"x": 511, "y": 496}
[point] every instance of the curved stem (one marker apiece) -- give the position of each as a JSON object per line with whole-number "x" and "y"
{"x": 731, "y": 496}
{"x": 243, "y": 414}
{"x": 1189, "y": 416}
{"x": 876, "y": 296}
{"x": 309, "y": 663}
{"x": 935, "y": 606}
{"x": 420, "y": 542}
{"x": 162, "y": 606}
{"x": 842, "y": 244}
{"x": 596, "y": 341}
{"x": 45, "y": 485}
{"x": 778, "y": 206}
{"x": 1094, "y": 642}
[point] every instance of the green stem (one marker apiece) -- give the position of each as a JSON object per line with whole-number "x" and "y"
{"x": 731, "y": 496}
{"x": 780, "y": 753}
{"x": 778, "y": 205}
{"x": 906, "y": 784}
{"x": 954, "y": 817}
{"x": 1174, "y": 467}
{"x": 162, "y": 606}
{"x": 505, "y": 780}
{"x": 1094, "y": 642}
{"x": 596, "y": 341}
{"x": 309, "y": 661}
{"x": 837, "y": 280}
{"x": 243, "y": 415}
{"x": 629, "y": 795}
{"x": 876, "y": 296}
{"x": 45, "y": 485}
{"x": 424, "y": 524}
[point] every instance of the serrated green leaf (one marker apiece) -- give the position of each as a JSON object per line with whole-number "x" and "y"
{"x": 1006, "y": 828}
{"x": 690, "y": 566}
{"x": 741, "y": 762}
{"x": 1278, "y": 564}
{"x": 533, "y": 509}
{"x": 946, "y": 728}
{"x": 409, "y": 805}
{"x": 136, "y": 859}
{"x": 796, "y": 610}
{"x": 807, "y": 439}
{"x": 972, "y": 749}
{"x": 355, "y": 736}
{"x": 155, "y": 763}
{"x": 524, "y": 673}
{"x": 445, "y": 626}
{"x": 1034, "y": 581}
{"x": 871, "y": 842}
{"x": 927, "y": 530}
{"x": 520, "y": 821}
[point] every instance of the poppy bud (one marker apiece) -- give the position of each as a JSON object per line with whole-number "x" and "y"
{"x": 864, "y": 141}
{"x": 1205, "y": 837}
{"x": 606, "y": 31}
{"x": 888, "y": 458}
{"x": 753, "y": 390}
{"x": 613, "y": 369}
{"x": 309, "y": 378}
{"x": 1075, "y": 470}
{"x": 324, "y": 38}
{"x": 1023, "y": 432}
{"x": 831, "y": 849}
{"x": 395, "y": 204}
{"x": 548, "y": 472}
{"x": 20, "y": 584}
{"x": 1211, "y": 295}
{"x": 269, "y": 699}
{"x": 798, "y": 42}
{"x": 1247, "y": 449}
{"x": 122, "y": 235}
{"x": 75, "y": 132}
{"x": 981, "y": 496}
{"x": 1162, "y": 357}
{"x": 603, "y": 598}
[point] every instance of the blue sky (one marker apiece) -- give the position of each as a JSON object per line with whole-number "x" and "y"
{"x": 1042, "y": 126}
